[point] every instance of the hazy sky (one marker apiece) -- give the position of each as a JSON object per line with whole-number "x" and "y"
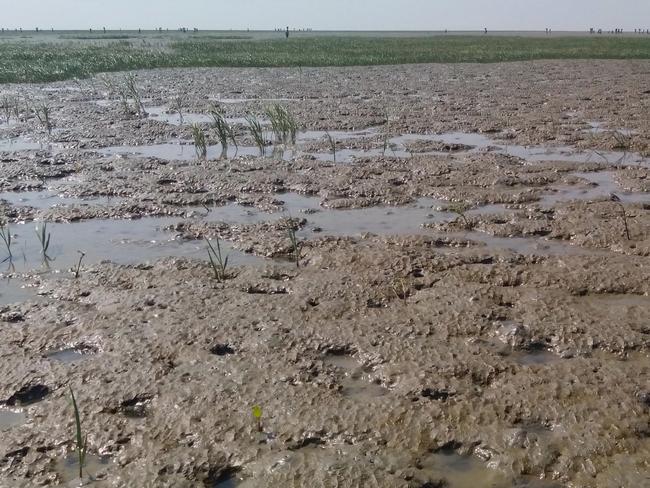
{"x": 328, "y": 14}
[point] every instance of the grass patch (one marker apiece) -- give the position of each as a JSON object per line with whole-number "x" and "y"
{"x": 42, "y": 62}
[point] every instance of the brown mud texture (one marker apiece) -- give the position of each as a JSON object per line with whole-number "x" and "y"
{"x": 500, "y": 340}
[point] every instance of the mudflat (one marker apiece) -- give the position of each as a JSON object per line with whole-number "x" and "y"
{"x": 442, "y": 282}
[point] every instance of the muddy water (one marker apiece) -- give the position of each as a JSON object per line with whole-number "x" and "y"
{"x": 120, "y": 241}
{"x": 603, "y": 186}
{"x": 163, "y": 114}
{"x": 94, "y": 467}
{"x": 48, "y": 199}
{"x": 481, "y": 142}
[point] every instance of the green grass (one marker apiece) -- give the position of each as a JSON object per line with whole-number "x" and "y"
{"x": 40, "y": 62}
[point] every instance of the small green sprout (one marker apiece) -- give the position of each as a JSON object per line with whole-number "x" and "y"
{"x": 459, "y": 208}
{"x": 218, "y": 263}
{"x": 616, "y": 199}
{"x": 257, "y": 415}
{"x": 295, "y": 243}
{"x": 81, "y": 440}
{"x": 332, "y": 144}
{"x": 76, "y": 271}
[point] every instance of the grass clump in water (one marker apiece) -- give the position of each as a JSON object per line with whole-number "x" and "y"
{"x": 200, "y": 142}
{"x": 224, "y": 131}
{"x": 283, "y": 123}
{"x": 257, "y": 132}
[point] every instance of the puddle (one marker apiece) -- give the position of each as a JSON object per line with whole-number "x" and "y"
{"x": 10, "y": 418}
{"x": 163, "y": 114}
{"x": 461, "y": 471}
{"x": 120, "y": 241}
{"x": 184, "y": 151}
{"x": 534, "y": 357}
{"x": 597, "y": 128}
{"x": 14, "y": 291}
{"x": 605, "y": 185}
{"x": 377, "y": 220}
{"x": 68, "y": 468}
{"x": 69, "y": 355}
{"x": 482, "y": 143}
{"x": 48, "y": 199}
{"x": 523, "y": 245}
{"x": 21, "y": 144}
{"x": 227, "y": 100}
{"x": 354, "y": 382}
{"x": 456, "y": 471}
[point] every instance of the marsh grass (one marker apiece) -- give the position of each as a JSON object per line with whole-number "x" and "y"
{"x": 616, "y": 199}
{"x": 131, "y": 90}
{"x": 224, "y": 131}
{"x": 7, "y": 107}
{"x": 200, "y": 142}
{"x": 332, "y": 144}
{"x": 296, "y": 245}
{"x": 81, "y": 440}
{"x": 44, "y": 239}
{"x": 43, "y": 113}
{"x": 27, "y": 61}
{"x": 177, "y": 106}
{"x": 283, "y": 124}
{"x": 218, "y": 262}
{"x": 257, "y": 132}
{"x": 5, "y": 235}
{"x": 459, "y": 208}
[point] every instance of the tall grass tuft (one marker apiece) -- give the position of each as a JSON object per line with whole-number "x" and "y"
{"x": 224, "y": 131}
{"x": 81, "y": 440}
{"x": 177, "y": 106}
{"x": 44, "y": 115}
{"x": 257, "y": 132}
{"x": 200, "y": 142}
{"x": 218, "y": 262}
{"x": 283, "y": 123}
{"x": 132, "y": 91}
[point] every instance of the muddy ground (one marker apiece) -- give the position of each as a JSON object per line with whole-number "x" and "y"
{"x": 470, "y": 307}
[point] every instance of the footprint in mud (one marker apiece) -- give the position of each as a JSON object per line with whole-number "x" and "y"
{"x": 28, "y": 395}
{"x": 229, "y": 478}
{"x": 93, "y": 466}
{"x": 353, "y": 378}
{"x": 71, "y": 354}
{"x": 446, "y": 468}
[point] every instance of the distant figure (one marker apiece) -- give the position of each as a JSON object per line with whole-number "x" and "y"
{"x": 91, "y": 30}
{"x": 37, "y": 29}
{"x": 104, "y": 30}
{"x": 287, "y": 33}
{"x": 139, "y": 30}
{"x": 485, "y": 30}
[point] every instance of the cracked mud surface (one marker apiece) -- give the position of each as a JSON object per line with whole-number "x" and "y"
{"x": 468, "y": 308}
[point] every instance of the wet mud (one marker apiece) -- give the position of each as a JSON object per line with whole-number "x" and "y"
{"x": 443, "y": 282}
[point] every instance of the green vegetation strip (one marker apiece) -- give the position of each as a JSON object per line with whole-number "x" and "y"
{"x": 41, "y": 62}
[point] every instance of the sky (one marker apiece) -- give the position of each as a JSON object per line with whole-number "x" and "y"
{"x": 328, "y": 14}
